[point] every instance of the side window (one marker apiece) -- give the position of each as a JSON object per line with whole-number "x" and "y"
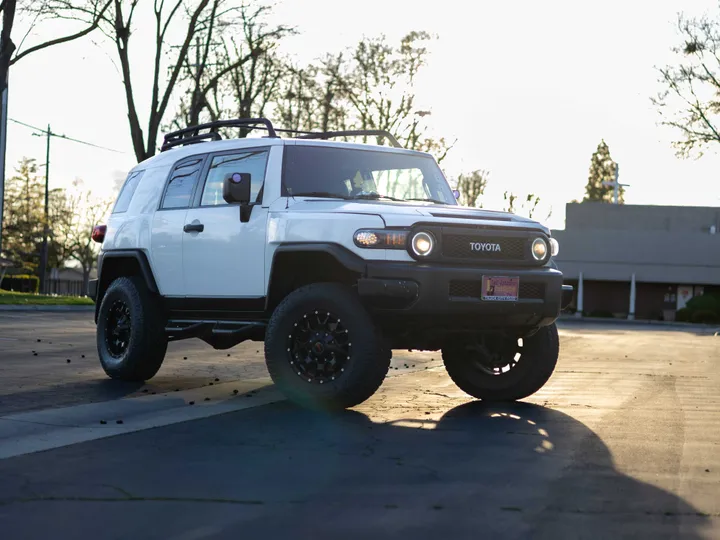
{"x": 127, "y": 192}
{"x": 182, "y": 181}
{"x": 252, "y": 161}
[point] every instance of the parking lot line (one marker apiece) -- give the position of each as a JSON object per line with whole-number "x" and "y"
{"x": 30, "y": 432}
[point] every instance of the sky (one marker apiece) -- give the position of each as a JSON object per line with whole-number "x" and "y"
{"x": 527, "y": 88}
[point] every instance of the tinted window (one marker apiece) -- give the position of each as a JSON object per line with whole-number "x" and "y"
{"x": 252, "y": 162}
{"x": 182, "y": 181}
{"x": 127, "y": 192}
{"x": 363, "y": 174}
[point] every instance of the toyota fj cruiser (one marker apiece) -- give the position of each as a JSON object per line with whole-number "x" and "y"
{"x": 333, "y": 254}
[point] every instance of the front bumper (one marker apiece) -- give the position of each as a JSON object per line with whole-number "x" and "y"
{"x": 450, "y": 295}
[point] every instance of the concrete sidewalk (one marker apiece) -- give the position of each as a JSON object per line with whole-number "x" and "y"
{"x": 639, "y": 322}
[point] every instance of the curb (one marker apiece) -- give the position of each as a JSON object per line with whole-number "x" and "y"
{"x": 640, "y": 322}
{"x": 50, "y": 308}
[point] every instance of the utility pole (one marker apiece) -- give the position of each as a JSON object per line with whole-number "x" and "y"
{"x": 3, "y": 144}
{"x": 7, "y": 47}
{"x": 44, "y": 253}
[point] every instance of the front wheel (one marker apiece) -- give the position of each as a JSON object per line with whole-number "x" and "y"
{"x": 500, "y": 368}
{"x": 323, "y": 350}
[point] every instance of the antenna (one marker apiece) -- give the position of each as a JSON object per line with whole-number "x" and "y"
{"x": 616, "y": 184}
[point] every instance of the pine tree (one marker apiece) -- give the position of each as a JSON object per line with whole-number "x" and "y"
{"x": 23, "y": 216}
{"x": 602, "y": 169}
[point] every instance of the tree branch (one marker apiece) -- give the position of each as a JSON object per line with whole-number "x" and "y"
{"x": 93, "y": 25}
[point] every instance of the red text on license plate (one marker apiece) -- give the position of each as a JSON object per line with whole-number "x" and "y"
{"x": 500, "y": 288}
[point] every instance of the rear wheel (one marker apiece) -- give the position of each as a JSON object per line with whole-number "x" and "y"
{"x": 501, "y": 368}
{"x": 131, "y": 338}
{"x": 322, "y": 348}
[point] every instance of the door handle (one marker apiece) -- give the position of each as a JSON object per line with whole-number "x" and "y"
{"x": 194, "y": 227}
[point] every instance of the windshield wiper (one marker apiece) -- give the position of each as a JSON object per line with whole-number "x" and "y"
{"x": 436, "y": 201}
{"x": 324, "y": 194}
{"x": 376, "y": 196}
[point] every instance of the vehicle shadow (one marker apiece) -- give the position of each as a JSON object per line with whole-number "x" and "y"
{"x": 279, "y": 471}
{"x": 481, "y": 471}
{"x": 65, "y": 395}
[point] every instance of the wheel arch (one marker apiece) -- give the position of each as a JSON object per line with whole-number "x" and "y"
{"x": 297, "y": 264}
{"x": 122, "y": 263}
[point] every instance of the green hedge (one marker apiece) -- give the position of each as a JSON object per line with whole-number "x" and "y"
{"x": 706, "y": 302}
{"x": 705, "y": 316}
{"x": 21, "y": 283}
{"x": 703, "y": 309}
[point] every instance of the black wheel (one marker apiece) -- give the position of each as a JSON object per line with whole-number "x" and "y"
{"x": 322, "y": 348}
{"x": 131, "y": 337}
{"x": 500, "y": 368}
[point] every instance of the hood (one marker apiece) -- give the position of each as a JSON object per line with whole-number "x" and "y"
{"x": 399, "y": 214}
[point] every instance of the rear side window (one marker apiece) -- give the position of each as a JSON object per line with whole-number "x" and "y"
{"x": 127, "y": 192}
{"x": 181, "y": 183}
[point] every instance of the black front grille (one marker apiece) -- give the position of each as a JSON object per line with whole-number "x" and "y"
{"x": 465, "y": 289}
{"x": 473, "y": 288}
{"x": 530, "y": 290}
{"x": 484, "y": 248}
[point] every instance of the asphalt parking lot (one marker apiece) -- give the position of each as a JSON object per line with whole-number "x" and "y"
{"x": 624, "y": 441}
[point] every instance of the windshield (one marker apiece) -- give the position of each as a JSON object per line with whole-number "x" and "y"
{"x": 363, "y": 174}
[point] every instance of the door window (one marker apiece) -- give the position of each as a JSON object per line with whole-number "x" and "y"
{"x": 253, "y": 162}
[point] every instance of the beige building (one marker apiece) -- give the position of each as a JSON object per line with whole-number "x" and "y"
{"x": 639, "y": 261}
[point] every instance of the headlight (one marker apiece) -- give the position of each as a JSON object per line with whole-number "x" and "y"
{"x": 554, "y": 247}
{"x": 381, "y": 239}
{"x": 422, "y": 244}
{"x": 539, "y": 249}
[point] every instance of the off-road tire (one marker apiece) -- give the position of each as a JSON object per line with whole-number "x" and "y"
{"x": 369, "y": 358}
{"x": 145, "y": 350}
{"x": 533, "y": 369}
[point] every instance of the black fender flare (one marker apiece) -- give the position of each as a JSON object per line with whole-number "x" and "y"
{"x": 341, "y": 254}
{"x": 136, "y": 254}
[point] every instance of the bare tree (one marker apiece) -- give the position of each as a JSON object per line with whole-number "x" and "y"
{"x": 690, "y": 99}
{"x": 86, "y": 16}
{"x": 89, "y": 15}
{"x": 471, "y": 186}
{"x": 186, "y": 19}
{"x": 7, "y": 47}
{"x": 528, "y": 204}
{"x": 378, "y": 80}
{"x": 73, "y": 232}
{"x": 312, "y": 97}
{"x": 370, "y": 86}
{"x": 235, "y": 70}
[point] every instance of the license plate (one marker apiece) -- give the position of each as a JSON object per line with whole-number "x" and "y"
{"x": 500, "y": 288}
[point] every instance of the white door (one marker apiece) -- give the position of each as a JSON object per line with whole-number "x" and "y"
{"x": 226, "y": 257}
{"x": 167, "y": 228}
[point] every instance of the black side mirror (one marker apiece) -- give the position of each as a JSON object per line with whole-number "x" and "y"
{"x": 236, "y": 188}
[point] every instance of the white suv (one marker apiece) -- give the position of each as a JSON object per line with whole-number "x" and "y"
{"x": 331, "y": 253}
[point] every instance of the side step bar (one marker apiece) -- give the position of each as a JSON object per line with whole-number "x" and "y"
{"x": 219, "y": 334}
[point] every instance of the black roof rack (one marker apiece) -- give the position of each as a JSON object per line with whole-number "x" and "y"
{"x": 192, "y": 134}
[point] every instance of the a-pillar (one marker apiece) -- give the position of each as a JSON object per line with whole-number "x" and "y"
{"x": 631, "y": 312}
{"x": 579, "y": 311}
